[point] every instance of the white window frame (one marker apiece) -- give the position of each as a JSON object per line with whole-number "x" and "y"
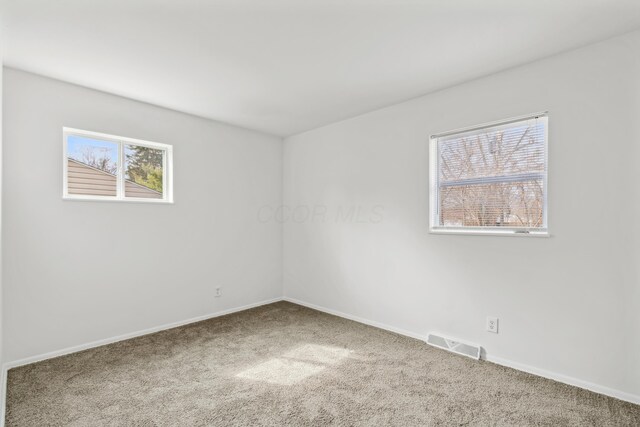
{"x": 434, "y": 206}
{"x": 121, "y": 141}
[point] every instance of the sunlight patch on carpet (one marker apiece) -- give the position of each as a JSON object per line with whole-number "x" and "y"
{"x": 281, "y": 371}
{"x": 319, "y": 354}
{"x": 296, "y": 365}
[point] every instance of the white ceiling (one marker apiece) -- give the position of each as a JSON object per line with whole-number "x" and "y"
{"x": 286, "y": 66}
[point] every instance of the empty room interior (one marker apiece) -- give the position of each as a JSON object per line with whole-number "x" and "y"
{"x": 320, "y": 213}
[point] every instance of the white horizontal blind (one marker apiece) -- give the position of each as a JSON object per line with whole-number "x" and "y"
{"x": 491, "y": 177}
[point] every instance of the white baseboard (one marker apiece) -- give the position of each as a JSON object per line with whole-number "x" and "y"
{"x": 3, "y": 395}
{"x": 607, "y": 391}
{"x": 596, "y": 388}
{"x": 357, "y": 319}
{"x": 99, "y": 343}
{"x": 494, "y": 359}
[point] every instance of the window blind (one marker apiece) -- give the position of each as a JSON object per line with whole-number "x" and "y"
{"x": 491, "y": 177}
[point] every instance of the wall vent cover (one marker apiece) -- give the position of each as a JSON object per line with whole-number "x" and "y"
{"x": 454, "y": 346}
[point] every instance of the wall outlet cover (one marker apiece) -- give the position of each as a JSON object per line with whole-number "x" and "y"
{"x": 492, "y": 324}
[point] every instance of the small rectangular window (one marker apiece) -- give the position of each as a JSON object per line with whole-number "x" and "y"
{"x": 106, "y": 167}
{"x": 491, "y": 178}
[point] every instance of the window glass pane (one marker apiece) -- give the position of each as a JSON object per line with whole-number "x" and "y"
{"x": 511, "y": 204}
{"x": 144, "y": 172}
{"x": 514, "y": 150}
{"x": 493, "y": 177}
{"x": 92, "y": 166}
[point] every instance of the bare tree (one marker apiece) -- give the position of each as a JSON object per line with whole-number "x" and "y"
{"x": 493, "y": 179}
{"x": 98, "y": 158}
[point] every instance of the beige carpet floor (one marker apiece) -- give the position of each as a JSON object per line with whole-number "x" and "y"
{"x": 283, "y": 364}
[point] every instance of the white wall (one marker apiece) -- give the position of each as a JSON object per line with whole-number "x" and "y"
{"x": 2, "y": 373}
{"x": 76, "y": 272}
{"x": 568, "y": 304}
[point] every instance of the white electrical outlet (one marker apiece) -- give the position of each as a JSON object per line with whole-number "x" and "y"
{"x": 492, "y": 324}
{"x": 218, "y": 292}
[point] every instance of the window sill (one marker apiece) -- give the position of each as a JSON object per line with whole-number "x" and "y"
{"x": 490, "y": 232}
{"x": 113, "y": 199}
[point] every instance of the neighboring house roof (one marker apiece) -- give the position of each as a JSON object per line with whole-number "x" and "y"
{"x": 83, "y": 179}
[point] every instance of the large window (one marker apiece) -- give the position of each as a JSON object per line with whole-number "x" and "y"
{"x": 491, "y": 178}
{"x": 107, "y": 167}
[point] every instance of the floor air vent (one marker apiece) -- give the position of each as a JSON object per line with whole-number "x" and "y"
{"x": 454, "y": 346}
